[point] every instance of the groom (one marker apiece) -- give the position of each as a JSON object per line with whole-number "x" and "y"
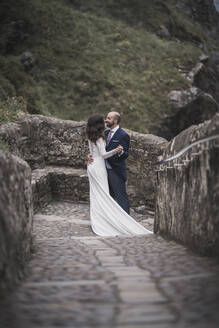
{"x": 116, "y": 165}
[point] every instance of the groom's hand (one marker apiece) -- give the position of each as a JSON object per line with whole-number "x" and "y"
{"x": 89, "y": 159}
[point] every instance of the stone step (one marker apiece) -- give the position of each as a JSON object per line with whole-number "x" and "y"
{"x": 59, "y": 183}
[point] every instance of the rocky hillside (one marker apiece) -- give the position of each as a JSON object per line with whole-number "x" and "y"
{"x": 72, "y": 58}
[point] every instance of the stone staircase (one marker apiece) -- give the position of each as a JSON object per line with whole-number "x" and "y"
{"x": 75, "y": 278}
{"x": 78, "y": 279}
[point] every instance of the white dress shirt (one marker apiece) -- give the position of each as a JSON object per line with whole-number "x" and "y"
{"x": 113, "y": 131}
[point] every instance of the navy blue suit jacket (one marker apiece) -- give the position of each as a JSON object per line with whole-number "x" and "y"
{"x": 120, "y": 137}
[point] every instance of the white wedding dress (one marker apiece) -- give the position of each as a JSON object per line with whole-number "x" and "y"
{"x": 107, "y": 217}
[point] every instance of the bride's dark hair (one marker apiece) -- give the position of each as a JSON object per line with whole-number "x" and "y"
{"x": 95, "y": 127}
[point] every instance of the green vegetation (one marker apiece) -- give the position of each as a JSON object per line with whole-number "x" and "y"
{"x": 95, "y": 55}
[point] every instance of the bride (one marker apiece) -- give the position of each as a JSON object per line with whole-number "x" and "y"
{"x": 107, "y": 217}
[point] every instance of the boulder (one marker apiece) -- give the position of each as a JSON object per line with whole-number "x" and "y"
{"x": 27, "y": 60}
{"x": 180, "y": 99}
{"x": 214, "y": 58}
{"x": 191, "y": 106}
{"x": 163, "y": 32}
{"x": 206, "y": 75}
{"x": 192, "y": 76}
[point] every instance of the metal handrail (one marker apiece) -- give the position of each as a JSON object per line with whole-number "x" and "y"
{"x": 181, "y": 152}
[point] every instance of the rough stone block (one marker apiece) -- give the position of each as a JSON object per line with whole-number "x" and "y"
{"x": 187, "y": 205}
{"x": 16, "y": 212}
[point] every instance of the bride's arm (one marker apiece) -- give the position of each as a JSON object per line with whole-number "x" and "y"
{"x": 89, "y": 156}
{"x": 101, "y": 146}
{"x": 90, "y": 148}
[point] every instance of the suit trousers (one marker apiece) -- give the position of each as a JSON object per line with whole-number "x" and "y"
{"x": 117, "y": 190}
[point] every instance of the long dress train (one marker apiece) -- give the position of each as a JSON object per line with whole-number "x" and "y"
{"x": 107, "y": 217}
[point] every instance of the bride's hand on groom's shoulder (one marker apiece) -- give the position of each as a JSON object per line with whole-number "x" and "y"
{"x": 89, "y": 159}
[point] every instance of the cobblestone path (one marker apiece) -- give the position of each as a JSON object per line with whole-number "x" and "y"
{"x": 77, "y": 279}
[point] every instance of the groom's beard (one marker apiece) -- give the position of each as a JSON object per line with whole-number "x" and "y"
{"x": 109, "y": 125}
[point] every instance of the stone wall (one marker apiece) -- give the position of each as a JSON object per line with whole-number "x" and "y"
{"x": 44, "y": 141}
{"x": 144, "y": 152}
{"x": 50, "y": 141}
{"x": 69, "y": 185}
{"x": 60, "y": 184}
{"x": 187, "y": 204}
{"x": 41, "y": 189}
{"x": 15, "y": 217}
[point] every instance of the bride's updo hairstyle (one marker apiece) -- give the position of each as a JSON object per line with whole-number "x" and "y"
{"x": 95, "y": 127}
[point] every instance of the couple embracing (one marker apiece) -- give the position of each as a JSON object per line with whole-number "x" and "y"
{"x": 109, "y": 205}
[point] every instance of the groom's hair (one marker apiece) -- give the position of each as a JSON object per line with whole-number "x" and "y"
{"x": 116, "y": 116}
